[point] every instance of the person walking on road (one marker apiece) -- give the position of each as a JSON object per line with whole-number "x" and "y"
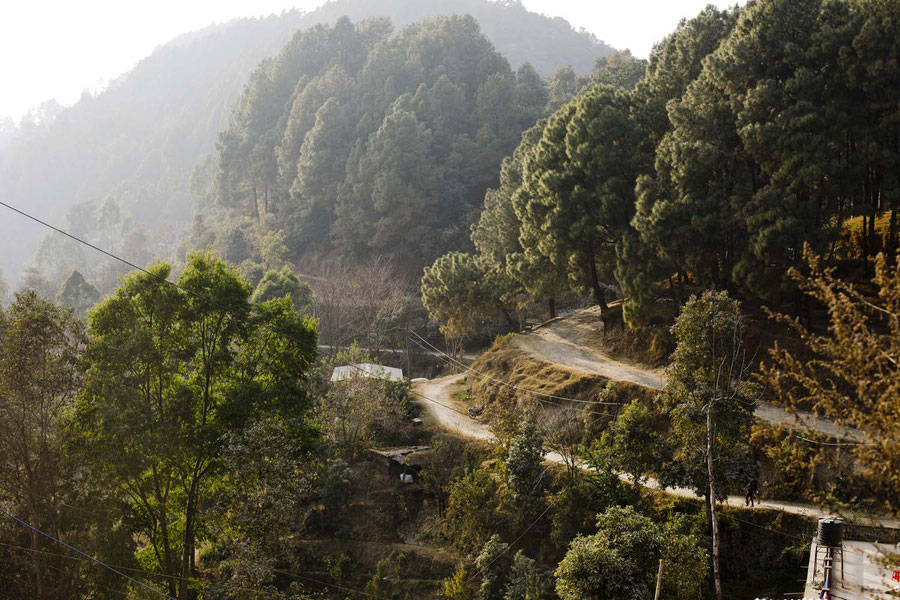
{"x": 752, "y": 491}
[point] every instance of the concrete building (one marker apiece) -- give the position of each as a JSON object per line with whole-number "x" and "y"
{"x": 855, "y": 573}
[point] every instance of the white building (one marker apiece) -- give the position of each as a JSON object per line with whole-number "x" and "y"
{"x": 370, "y": 370}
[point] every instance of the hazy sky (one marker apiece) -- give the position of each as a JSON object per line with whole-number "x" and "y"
{"x": 56, "y": 49}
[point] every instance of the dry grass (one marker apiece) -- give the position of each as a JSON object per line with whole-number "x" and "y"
{"x": 505, "y": 367}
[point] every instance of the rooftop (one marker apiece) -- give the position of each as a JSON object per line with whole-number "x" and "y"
{"x": 366, "y": 370}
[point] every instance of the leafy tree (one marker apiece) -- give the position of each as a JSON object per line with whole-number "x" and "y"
{"x": 457, "y": 290}
{"x": 493, "y": 562}
{"x": 619, "y": 560}
{"x": 632, "y": 444}
{"x": 710, "y": 403}
{"x": 392, "y": 196}
{"x": 849, "y": 374}
{"x": 454, "y": 587}
{"x": 76, "y": 293}
{"x": 270, "y": 464}
{"x": 524, "y": 472}
{"x": 472, "y": 510}
{"x": 272, "y": 250}
{"x": 235, "y": 246}
{"x": 171, "y": 372}
{"x": 278, "y": 284}
{"x": 761, "y": 154}
{"x": 619, "y": 69}
{"x": 577, "y": 199}
{"x": 505, "y": 249}
{"x": 562, "y": 87}
{"x": 592, "y": 569}
{"x": 40, "y": 346}
{"x": 35, "y": 281}
{"x": 321, "y": 169}
{"x": 526, "y": 581}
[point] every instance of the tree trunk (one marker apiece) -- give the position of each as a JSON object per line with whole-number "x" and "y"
{"x": 184, "y": 591}
{"x": 508, "y": 317}
{"x": 255, "y": 204}
{"x": 676, "y": 297}
{"x": 713, "y": 517}
{"x": 551, "y": 307}
{"x": 599, "y": 297}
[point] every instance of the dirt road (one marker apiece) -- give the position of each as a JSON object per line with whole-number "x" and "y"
{"x": 436, "y": 397}
{"x": 571, "y": 342}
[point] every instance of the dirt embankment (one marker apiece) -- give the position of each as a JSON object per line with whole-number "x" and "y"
{"x": 517, "y": 365}
{"x": 565, "y": 358}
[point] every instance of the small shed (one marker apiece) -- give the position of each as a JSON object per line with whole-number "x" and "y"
{"x": 399, "y": 461}
{"x": 369, "y": 370}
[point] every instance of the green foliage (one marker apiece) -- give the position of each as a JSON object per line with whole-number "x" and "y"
{"x": 269, "y": 464}
{"x": 454, "y": 587}
{"x": 707, "y": 375}
{"x": 283, "y": 283}
{"x": 40, "y": 345}
{"x": 632, "y": 444}
{"x": 592, "y": 570}
{"x": 577, "y": 197}
{"x": 760, "y": 158}
{"x": 619, "y": 561}
{"x": 472, "y": 510}
{"x": 526, "y": 581}
{"x": 619, "y": 69}
{"x": 457, "y": 291}
{"x": 358, "y": 141}
{"x": 171, "y": 373}
{"x": 493, "y": 562}
{"x": 76, "y": 293}
{"x": 524, "y": 472}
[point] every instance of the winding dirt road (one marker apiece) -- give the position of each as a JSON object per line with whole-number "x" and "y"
{"x": 437, "y": 398}
{"x": 571, "y": 342}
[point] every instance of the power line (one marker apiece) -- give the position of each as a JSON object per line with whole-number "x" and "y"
{"x": 86, "y": 555}
{"x": 77, "y": 239}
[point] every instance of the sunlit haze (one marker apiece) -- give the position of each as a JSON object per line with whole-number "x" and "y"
{"x": 59, "y": 49}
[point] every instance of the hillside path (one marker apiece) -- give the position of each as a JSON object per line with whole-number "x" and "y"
{"x": 436, "y": 397}
{"x": 571, "y": 342}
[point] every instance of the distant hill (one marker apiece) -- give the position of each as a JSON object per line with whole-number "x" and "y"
{"x": 519, "y": 35}
{"x": 118, "y": 164}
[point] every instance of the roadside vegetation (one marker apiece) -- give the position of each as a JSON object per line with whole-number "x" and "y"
{"x": 726, "y": 210}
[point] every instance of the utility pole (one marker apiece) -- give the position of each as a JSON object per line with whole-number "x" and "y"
{"x": 658, "y": 580}
{"x": 408, "y": 368}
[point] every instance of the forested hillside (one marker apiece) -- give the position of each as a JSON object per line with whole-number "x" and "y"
{"x": 359, "y": 140}
{"x": 119, "y": 163}
{"x": 217, "y": 427}
{"x": 753, "y": 133}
